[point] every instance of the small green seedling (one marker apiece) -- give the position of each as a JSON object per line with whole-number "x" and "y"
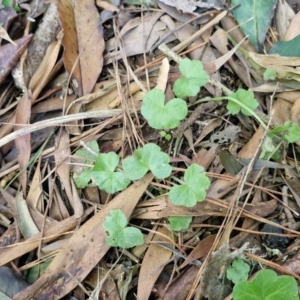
{"x": 160, "y": 115}
{"x": 165, "y": 135}
{"x": 88, "y": 156}
{"x": 244, "y": 99}
{"x": 150, "y": 157}
{"x": 194, "y": 77}
{"x": 267, "y": 286}
{"x": 119, "y": 235}
{"x": 287, "y": 133}
{"x": 105, "y": 175}
{"x": 270, "y": 74}
{"x": 238, "y": 271}
{"x": 11, "y": 3}
{"x": 193, "y": 188}
{"x": 179, "y": 223}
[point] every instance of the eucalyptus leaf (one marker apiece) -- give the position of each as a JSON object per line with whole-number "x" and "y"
{"x": 287, "y": 48}
{"x": 254, "y": 18}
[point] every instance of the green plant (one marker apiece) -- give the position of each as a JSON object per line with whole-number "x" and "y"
{"x": 11, "y": 3}
{"x": 150, "y": 157}
{"x": 119, "y": 234}
{"x": 194, "y": 77}
{"x": 179, "y": 223}
{"x": 266, "y": 285}
{"x": 106, "y": 176}
{"x": 238, "y": 271}
{"x": 165, "y": 135}
{"x": 86, "y": 157}
{"x": 192, "y": 189}
{"x": 270, "y": 74}
{"x": 111, "y": 175}
{"x": 160, "y": 115}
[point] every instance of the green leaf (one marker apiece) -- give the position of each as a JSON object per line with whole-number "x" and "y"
{"x": 82, "y": 174}
{"x": 238, "y": 272}
{"x": 159, "y": 115}
{"x": 193, "y": 189}
{"x": 268, "y": 148}
{"x": 81, "y": 180}
{"x": 179, "y": 223}
{"x": 290, "y": 131}
{"x": 105, "y": 176}
{"x": 115, "y": 221}
{"x": 150, "y": 157}
{"x": 244, "y": 97}
{"x": 10, "y": 3}
{"x": 194, "y": 77}
{"x": 267, "y": 286}
{"x": 120, "y": 235}
{"x": 254, "y": 18}
{"x": 289, "y": 48}
{"x": 270, "y": 74}
{"x": 36, "y": 271}
{"x": 88, "y": 156}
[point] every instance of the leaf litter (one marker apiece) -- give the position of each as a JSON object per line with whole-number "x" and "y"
{"x": 75, "y": 82}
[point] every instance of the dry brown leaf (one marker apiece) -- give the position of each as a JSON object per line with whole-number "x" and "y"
{"x": 182, "y": 286}
{"x": 283, "y": 16}
{"x": 293, "y": 30}
{"x": 205, "y": 157}
{"x": 90, "y": 42}
{"x": 281, "y": 111}
{"x": 35, "y": 191}
{"x": 62, "y": 161}
{"x": 153, "y": 264}
{"x": 84, "y": 249}
{"x": 10, "y": 54}
{"x": 285, "y": 67}
{"x": 8, "y": 254}
{"x": 295, "y": 111}
{"x": 70, "y": 41}
{"x": 152, "y": 29}
{"x": 4, "y": 35}
{"x": 23, "y": 114}
{"x": 201, "y": 250}
{"x": 58, "y": 210}
{"x": 162, "y": 78}
{"x": 41, "y": 76}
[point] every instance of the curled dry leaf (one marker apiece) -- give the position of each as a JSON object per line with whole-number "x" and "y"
{"x": 10, "y": 54}
{"x": 70, "y": 41}
{"x": 4, "y": 35}
{"x": 90, "y": 42}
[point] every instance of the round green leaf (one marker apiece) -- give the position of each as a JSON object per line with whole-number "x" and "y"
{"x": 159, "y": 115}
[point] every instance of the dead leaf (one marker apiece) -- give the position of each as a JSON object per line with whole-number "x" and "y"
{"x": 90, "y": 42}
{"x": 4, "y": 35}
{"x": 201, "y": 250}
{"x": 83, "y": 250}
{"x": 10, "y": 54}
{"x": 70, "y": 42}
{"x": 183, "y": 285}
{"x": 23, "y": 113}
{"x": 153, "y": 264}
{"x": 62, "y": 161}
{"x": 293, "y": 29}
{"x": 162, "y": 78}
{"x": 25, "y": 222}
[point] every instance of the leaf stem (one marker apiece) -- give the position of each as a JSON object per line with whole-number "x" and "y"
{"x": 253, "y": 113}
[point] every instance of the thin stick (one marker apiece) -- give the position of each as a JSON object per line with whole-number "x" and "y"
{"x": 101, "y": 114}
